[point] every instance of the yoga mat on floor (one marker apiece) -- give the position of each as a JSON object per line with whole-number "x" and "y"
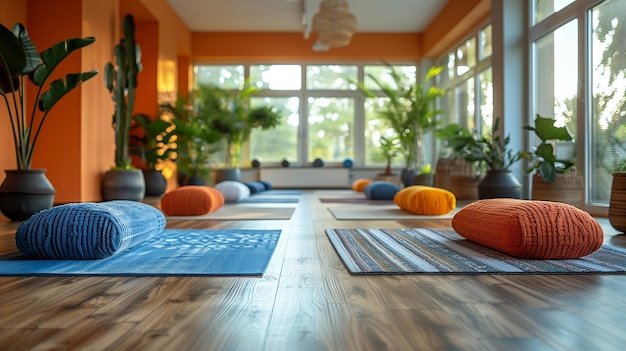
{"x": 270, "y": 199}
{"x": 231, "y": 212}
{"x": 179, "y": 252}
{"x": 355, "y": 200}
{"x": 379, "y": 212}
{"x": 437, "y": 251}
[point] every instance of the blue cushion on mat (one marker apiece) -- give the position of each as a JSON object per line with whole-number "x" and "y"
{"x": 380, "y": 190}
{"x": 255, "y": 187}
{"x": 81, "y": 231}
{"x": 268, "y": 185}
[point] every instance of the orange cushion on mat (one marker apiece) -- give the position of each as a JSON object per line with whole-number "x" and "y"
{"x": 425, "y": 200}
{"x": 530, "y": 229}
{"x": 191, "y": 200}
{"x": 360, "y": 184}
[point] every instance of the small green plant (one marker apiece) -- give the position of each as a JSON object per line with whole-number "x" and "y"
{"x": 121, "y": 80}
{"x": 390, "y": 147}
{"x": 156, "y": 143}
{"x": 542, "y": 158}
{"x": 492, "y": 150}
{"x": 20, "y": 61}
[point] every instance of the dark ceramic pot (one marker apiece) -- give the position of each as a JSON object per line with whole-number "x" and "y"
{"x": 156, "y": 184}
{"x": 123, "y": 185}
{"x": 25, "y": 192}
{"x": 407, "y": 176}
{"x": 227, "y": 174}
{"x": 499, "y": 184}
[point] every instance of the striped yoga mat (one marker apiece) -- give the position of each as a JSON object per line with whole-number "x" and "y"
{"x": 435, "y": 251}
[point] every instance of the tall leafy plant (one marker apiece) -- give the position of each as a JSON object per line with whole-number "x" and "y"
{"x": 121, "y": 81}
{"x": 230, "y": 113}
{"x": 19, "y": 62}
{"x": 409, "y": 110}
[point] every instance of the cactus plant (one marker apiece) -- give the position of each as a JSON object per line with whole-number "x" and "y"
{"x": 121, "y": 80}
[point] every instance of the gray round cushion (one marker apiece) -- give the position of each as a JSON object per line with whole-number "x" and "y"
{"x": 232, "y": 190}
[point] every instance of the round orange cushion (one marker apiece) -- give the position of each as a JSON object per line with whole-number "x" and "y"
{"x": 191, "y": 200}
{"x": 425, "y": 200}
{"x": 530, "y": 229}
{"x": 360, "y": 184}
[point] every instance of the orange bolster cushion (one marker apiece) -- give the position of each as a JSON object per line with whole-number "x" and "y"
{"x": 425, "y": 200}
{"x": 191, "y": 200}
{"x": 360, "y": 184}
{"x": 530, "y": 229}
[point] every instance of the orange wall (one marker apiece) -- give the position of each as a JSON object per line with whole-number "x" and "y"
{"x": 101, "y": 19}
{"x": 11, "y": 12}
{"x": 277, "y": 47}
{"x": 147, "y": 36}
{"x": 59, "y": 146}
{"x": 174, "y": 41}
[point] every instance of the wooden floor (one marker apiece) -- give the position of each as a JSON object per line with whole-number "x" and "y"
{"x": 307, "y": 301}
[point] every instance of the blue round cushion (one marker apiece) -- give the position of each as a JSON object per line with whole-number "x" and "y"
{"x": 381, "y": 190}
{"x": 255, "y": 187}
{"x": 268, "y": 185}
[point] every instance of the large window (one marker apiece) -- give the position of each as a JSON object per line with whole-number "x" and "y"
{"x": 324, "y": 114}
{"x": 581, "y": 82}
{"x": 468, "y": 83}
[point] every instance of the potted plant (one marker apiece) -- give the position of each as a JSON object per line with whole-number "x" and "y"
{"x": 553, "y": 179}
{"x": 153, "y": 146}
{"x": 453, "y": 172}
{"x": 494, "y": 153}
{"x": 195, "y": 142}
{"x": 409, "y": 110}
{"x": 123, "y": 181}
{"x": 230, "y": 114}
{"x": 25, "y": 191}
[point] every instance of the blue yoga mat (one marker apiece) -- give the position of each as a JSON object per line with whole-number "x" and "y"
{"x": 179, "y": 252}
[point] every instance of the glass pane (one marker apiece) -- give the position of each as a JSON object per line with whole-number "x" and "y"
{"x": 227, "y": 77}
{"x": 486, "y": 101}
{"x": 466, "y": 57}
{"x": 608, "y": 84}
{"x": 276, "y": 77}
{"x": 375, "y": 128}
{"x": 545, "y": 8}
{"x": 383, "y": 74}
{"x": 451, "y": 65}
{"x": 467, "y": 104}
{"x": 556, "y": 81}
{"x": 274, "y": 145}
{"x": 486, "y": 44}
{"x": 335, "y": 77}
{"x": 331, "y": 129}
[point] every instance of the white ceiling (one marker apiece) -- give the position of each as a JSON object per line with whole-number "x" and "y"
{"x": 383, "y": 16}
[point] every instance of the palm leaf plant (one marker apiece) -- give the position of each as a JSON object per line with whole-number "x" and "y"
{"x": 409, "y": 110}
{"x": 19, "y": 62}
{"x": 229, "y": 112}
{"x": 195, "y": 140}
